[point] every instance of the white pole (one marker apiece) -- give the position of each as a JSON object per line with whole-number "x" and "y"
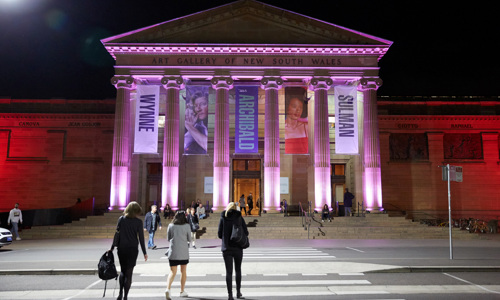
{"x": 449, "y": 210}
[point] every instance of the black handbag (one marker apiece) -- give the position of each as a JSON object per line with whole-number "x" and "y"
{"x": 194, "y": 226}
{"x": 106, "y": 268}
{"x": 238, "y": 235}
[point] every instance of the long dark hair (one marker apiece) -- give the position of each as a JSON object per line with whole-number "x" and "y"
{"x": 179, "y": 218}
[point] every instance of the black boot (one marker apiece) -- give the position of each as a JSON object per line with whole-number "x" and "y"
{"x": 239, "y": 295}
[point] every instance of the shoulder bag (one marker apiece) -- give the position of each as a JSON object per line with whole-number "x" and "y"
{"x": 238, "y": 236}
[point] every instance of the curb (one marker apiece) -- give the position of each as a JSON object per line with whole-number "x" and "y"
{"x": 386, "y": 271}
{"x": 50, "y": 272}
{"x": 436, "y": 270}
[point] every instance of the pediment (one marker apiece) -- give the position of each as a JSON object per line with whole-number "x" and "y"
{"x": 246, "y": 22}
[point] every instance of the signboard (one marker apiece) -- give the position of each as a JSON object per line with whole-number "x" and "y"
{"x": 208, "y": 185}
{"x": 346, "y": 120}
{"x": 456, "y": 174}
{"x": 284, "y": 185}
{"x": 146, "y": 119}
{"x": 246, "y": 115}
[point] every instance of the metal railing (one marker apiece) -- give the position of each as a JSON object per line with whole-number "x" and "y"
{"x": 305, "y": 217}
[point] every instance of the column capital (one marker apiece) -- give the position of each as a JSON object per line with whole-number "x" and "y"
{"x": 370, "y": 84}
{"x": 124, "y": 82}
{"x": 172, "y": 82}
{"x": 320, "y": 83}
{"x": 222, "y": 82}
{"x": 271, "y": 83}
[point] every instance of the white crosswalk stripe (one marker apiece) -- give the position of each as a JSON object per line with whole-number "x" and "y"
{"x": 264, "y": 254}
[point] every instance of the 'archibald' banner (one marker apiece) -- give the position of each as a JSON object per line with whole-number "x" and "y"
{"x": 146, "y": 119}
{"x": 346, "y": 120}
{"x": 247, "y": 129}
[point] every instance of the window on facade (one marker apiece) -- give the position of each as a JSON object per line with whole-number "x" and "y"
{"x": 462, "y": 146}
{"x": 408, "y": 146}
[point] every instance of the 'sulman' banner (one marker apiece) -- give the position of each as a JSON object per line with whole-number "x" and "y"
{"x": 246, "y": 131}
{"x": 146, "y": 119}
{"x": 346, "y": 120}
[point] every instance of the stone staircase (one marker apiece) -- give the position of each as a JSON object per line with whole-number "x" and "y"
{"x": 267, "y": 226}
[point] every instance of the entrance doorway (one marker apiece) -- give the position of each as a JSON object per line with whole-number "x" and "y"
{"x": 246, "y": 179}
{"x": 153, "y": 190}
{"x": 338, "y": 186}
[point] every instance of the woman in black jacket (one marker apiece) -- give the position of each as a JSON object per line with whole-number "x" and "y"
{"x": 194, "y": 222}
{"x": 231, "y": 251}
{"x": 128, "y": 236}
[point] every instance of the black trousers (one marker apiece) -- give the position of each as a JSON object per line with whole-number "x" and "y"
{"x": 229, "y": 257}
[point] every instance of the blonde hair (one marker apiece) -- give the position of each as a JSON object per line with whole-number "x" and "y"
{"x": 230, "y": 206}
{"x": 132, "y": 210}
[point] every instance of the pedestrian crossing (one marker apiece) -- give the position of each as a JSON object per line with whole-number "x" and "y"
{"x": 254, "y": 286}
{"x": 261, "y": 254}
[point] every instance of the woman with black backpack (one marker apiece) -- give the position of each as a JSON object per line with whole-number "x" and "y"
{"x": 128, "y": 236}
{"x": 230, "y": 250}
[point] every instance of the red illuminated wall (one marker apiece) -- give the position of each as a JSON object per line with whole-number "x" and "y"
{"x": 462, "y": 132}
{"x": 53, "y": 152}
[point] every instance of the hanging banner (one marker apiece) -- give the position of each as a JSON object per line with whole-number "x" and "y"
{"x": 196, "y": 120}
{"x": 296, "y": 123}
{"x": 146, "y": 119}
{"x": 346, "y": 120}
{"x": 246, "y": 131}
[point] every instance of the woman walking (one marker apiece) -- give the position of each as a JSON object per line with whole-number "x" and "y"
{"x": 230, "y": 251}
{"x": 194, "y": 222}
{"x": 179, "y": 235}
{"x": 128, "y": 236}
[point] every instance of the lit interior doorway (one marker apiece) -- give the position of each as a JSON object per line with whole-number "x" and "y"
{"x": 246, "y": 179}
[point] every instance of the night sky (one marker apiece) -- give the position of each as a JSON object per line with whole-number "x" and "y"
{"x": 52, "y": 49}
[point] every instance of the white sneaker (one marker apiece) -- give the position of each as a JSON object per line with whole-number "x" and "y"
{"x": 18, "y": 239}
{"x": 167, "y": 295}
{"x": 184, "y": 294}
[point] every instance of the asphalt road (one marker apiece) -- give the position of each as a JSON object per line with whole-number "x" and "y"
{"x": 281, "y": 269}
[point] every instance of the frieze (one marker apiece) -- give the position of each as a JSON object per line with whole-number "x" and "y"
{"x": 246, "y": 61}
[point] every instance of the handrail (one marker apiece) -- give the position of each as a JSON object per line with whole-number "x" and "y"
{"x": 306, "y": 220}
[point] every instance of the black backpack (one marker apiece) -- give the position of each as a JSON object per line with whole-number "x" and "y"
{"x": 106, "y": 268}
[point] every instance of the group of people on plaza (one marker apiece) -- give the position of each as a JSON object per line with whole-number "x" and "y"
{"x": 181, "y": 234}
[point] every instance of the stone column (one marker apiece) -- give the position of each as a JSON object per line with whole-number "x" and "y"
{"x": 170, "y": 175}
{"x": 372, "y": 180}
{"x": 221, "y": 142}
{"x": 271, "y": 199}
{"x": 119, "y": 195}
{"x": 322, "y": 177}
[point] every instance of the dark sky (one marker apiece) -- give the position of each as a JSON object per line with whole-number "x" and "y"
{"x": 52, "y": 49}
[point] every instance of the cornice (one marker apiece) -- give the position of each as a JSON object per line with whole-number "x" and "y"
{"x": 341, "y": 50}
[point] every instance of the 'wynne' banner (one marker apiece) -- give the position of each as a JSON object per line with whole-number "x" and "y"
{"x": 247, "y": 128}
{"x": 146, "y": 119}
{"x": 346, "y": 120}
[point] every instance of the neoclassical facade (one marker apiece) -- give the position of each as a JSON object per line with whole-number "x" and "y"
{"x": 246, "y": 44}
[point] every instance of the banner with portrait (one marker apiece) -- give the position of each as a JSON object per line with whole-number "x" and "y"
{"x": 246, "y": 115}
{"x": 296, "y": 123}
{"x": 196, "y": 119}
{"x": 146, "y": 119}
{"x": 346, "y": 120}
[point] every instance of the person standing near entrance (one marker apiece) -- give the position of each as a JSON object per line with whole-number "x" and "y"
{"x": 243, "y": 204}
{"x": 250, "y": 203}
{"x": 15, "y": 217}
{"x": 348, "y": 197}
{"x": 152, "y": 221}
{"x": 284, "y": 207}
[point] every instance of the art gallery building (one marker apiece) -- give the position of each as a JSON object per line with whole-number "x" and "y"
{"x": 249, "y": 61}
